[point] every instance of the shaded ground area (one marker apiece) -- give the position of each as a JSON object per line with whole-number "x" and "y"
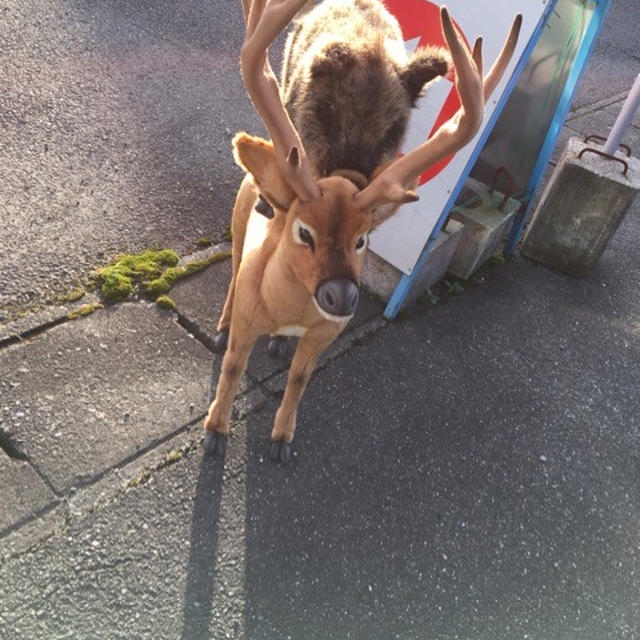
{"x": 471, "y": 471}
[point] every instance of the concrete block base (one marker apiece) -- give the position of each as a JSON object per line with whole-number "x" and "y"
{"x": 381, "y": 278}
{"x": 580, "y": 209}
{"x": 484, "y": 227}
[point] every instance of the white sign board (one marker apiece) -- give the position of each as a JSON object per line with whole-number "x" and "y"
{"x": 402, "y": 238}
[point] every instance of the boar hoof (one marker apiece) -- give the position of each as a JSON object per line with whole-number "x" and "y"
{"x": 220, "y": 341}
{"x": 280, "y": 451}
{"x": 215, "y": 444}
{"x": 279, "y": 347}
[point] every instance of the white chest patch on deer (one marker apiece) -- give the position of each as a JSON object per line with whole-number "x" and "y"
{"x": 293, "y": 330}
{"x": 256, "y": 231}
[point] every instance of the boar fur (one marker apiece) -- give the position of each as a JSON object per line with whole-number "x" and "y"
{"x": 349, "y": 85}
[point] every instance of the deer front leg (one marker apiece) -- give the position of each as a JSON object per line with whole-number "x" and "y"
{"x": 302, "y": 366}
{"x": 217, "y": 422}
{"x": 221, "y": 338}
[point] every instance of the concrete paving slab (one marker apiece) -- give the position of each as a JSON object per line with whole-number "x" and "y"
{"x": 43, "y": 319}
{"x": 601, "y": 122}
{"x": 166, "y": 560}
{"x": 31, "y": 532}
{"x": 86, "y": 395}
{"x": 24, "y": 494}
{"x": 201, "y": 297}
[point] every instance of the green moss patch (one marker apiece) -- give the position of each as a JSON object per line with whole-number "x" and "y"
{"x": 497, "y": 259}
{"x": 83, "y": 311}
{"x": 204, "y": 242}
{"x": 158, "y": 286}
{"x": 219, "y": 257}
{"x": 161, "y": 285}
{"x": 118, "y": 280}
{"x": 70, "y": 296}
{"x": 154, "y": 271}
{"x": 165, "y": 302}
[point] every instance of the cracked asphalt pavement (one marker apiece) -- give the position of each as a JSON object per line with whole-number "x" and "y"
{"x": 471, "y": 470}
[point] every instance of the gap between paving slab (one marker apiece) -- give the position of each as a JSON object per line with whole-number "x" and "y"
{"x": 24, "y": 494}
{"x": 83, "y": 396}
{"x": 123, "y": 477}
{"x": 97, "y": 473}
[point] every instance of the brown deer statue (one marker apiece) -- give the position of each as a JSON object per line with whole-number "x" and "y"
{"x": 297, "y": 274}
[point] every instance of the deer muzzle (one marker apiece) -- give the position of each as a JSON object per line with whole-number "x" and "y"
{"x": 338, "y": 297}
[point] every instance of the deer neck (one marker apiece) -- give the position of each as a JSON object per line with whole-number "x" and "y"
{"x": 286, "y": 298}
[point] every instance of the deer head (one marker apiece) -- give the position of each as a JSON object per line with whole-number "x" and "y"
{"x": 323, "y": 240}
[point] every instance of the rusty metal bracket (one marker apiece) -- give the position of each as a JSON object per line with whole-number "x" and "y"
{"x": 625, "y": 147}
{"x": 605, "y": 155}
{"x": 510, "y": 185}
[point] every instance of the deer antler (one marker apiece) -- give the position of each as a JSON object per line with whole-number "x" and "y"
{"x": 265, "y": 22}
{"x": 395, "y": 182}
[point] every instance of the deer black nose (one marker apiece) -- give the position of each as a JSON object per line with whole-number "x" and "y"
{"x": 338, "y": 297}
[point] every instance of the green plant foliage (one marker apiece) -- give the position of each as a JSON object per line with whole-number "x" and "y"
{"x": 115, "y": 286}
{"x": 158, "y": 286}
{"x": 454, "y": 286}
{"x": 70, "y": 296}
{"x": 496, "y": 259}
{"x": 154, "y": 270}
{"x": 431, "y": 296}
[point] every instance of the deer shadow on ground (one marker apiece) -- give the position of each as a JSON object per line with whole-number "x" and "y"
{"x": 202, "y": 551}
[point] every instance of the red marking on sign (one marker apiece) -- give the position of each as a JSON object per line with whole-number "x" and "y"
{"x": 421, "y": 19}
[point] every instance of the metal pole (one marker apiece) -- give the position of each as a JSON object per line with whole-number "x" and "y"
{"x": 624, "y": 119}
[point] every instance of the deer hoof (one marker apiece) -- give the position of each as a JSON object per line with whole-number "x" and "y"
{"x": 220, "y": 341}
{"x": 215, "y": 444}
{"x": 279, "y": 347}
{"x": 280, "y": 451}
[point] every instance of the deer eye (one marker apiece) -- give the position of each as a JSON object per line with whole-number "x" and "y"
{"x": 303, "y": 234}
{"x": 360, "y": 243}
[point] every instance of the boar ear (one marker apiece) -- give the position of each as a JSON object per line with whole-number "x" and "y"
{"x": 257, "y": 157}
{"x": 335, "y": 58}
{"x": 425, "y": 64}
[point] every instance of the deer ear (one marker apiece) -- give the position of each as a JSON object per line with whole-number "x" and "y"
{"x": 257, "y": 157}
{"x": 425, "y": 64}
